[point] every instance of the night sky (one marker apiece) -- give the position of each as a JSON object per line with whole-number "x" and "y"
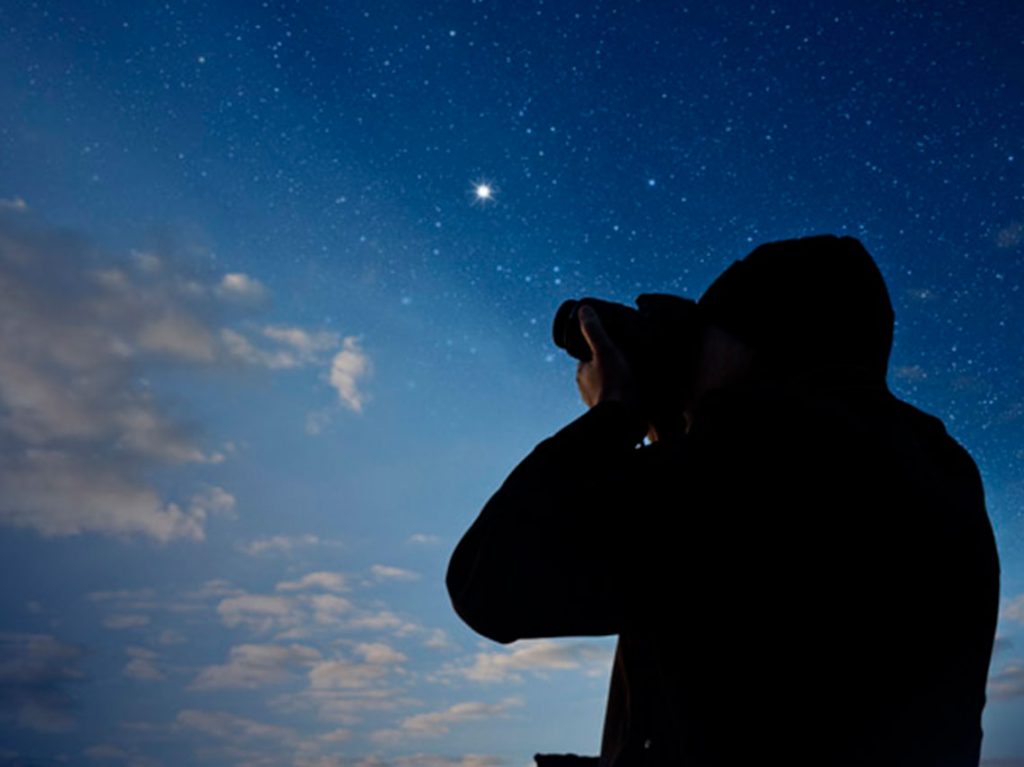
{"x": 267, "y": 344}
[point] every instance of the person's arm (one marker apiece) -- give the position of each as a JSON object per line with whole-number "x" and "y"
{"x": 549, "y": 553}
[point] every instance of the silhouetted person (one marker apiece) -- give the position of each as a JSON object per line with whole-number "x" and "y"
{"x": 800, "y": 567}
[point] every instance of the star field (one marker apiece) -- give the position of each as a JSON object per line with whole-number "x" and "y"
{"x": 276, "y": 286}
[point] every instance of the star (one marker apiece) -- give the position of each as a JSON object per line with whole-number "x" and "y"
{"x": 482, "y": 192}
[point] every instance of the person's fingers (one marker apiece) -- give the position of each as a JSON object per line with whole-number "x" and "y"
{"x": 593, "y": 331}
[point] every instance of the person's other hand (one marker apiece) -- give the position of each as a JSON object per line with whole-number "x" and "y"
{"x": 606, "y": 376}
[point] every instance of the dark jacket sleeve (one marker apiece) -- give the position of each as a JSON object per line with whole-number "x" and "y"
{"x": 547, "y": 554}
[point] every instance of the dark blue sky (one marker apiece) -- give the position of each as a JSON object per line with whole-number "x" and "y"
{"x": 257, "y": 327}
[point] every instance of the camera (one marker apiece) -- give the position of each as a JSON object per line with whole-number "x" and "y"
{"x": 660, "y": 340}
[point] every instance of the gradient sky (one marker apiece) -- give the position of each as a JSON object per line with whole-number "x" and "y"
{"x": 264, "y": 354}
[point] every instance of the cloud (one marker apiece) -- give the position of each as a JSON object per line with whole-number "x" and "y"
{"x": 382, "y": 620}
{"x": 438, "y": 639}
{"x": 440, "y": 722}
{"x": 280, "y": 347}
{"x": 239, "y": 286}
{"x": 212, "y": 501}
{"x": 79, "y": 433}
{"x": 1013, "y": 609}
{"x": 379, "y": 653}
{"x": 60, "y": 492}
{"x": 242, "y": 349}
{"x": 340, "y": 674}
{"x": 433, "y": 760}
{"x": 81, "y": 430}
{"x": 386, "y": 572}
{"x": 17, "y": 204}
{"x": 215, "y": 588}
{"x": 255, "y": 665}
{"x": 328, "y": 581}
{"x": 1007, "y": 683}
{"x": 348, "y": 368}
{"x": 260, "y": 612}
{"x": 278, "y": 544}
{"x": 307, "y": 344}
{"x": 424, "y": 539}
{"x": 328, "y": 609}
{"x": 35, "y": 672}
{"x": 146, "y": 261}
{"x": 317, "y": 421}
{"x": 177, "y": 335}
{"x": 344, "y": 706}
{"x": 536, "y": 656}
{"x": 142, "y": 665}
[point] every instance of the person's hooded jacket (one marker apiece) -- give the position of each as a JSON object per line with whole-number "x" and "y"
{"x": 808, "y": 576}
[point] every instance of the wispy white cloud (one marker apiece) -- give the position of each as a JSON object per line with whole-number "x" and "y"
{"x": 341, "y": 674}
{"x": 435, "y": 723}
{"x": 1013, "y": 609}
{"x": 380, "y": 654}
{"x": 389, "y": 573}
{"x": 279, "y": 347}
{"x": 239, "y": 286}
{"x": 328, "y": 609}
{"x": 424, "y": 539}
{"x": 243, "y": 349}
{"x": 344, "y": 705}
{"x": 327, "y": 581}
{"x": 438, "y": 639}
{"x": 17, "y": 204}
{"x": 434, "y": 760}
{"x": 1008, "y": 682}
{"x": 382, "y": 620}
{"x": 256, "y": 665}
{"x": 317, "y": 421}
{"x": 215, "y": 588}
{"x": 348, "y": 368}
{"x": 142, "y": 664}
{"x": 306, "y": 343}
{"x": 259, "y": 612}
{"x": 83, "y": 430}
{"x": 340, "y": 735}
{"x": 536, "y": 656}
{"x": 282, "y": 544}
{"x": 212, "y": 500}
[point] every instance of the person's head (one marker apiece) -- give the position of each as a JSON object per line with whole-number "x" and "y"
{"x": 794, "y": 306}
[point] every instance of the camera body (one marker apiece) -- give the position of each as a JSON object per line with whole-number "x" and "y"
{"x": 660, "y": 340}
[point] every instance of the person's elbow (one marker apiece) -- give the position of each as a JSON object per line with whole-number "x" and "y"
{"x": 478, "y": 603}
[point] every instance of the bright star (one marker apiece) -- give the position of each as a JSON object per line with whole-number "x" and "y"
{"x": 483, "y": 192}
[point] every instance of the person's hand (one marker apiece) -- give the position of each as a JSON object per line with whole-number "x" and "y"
{"x": 606, "y": 376}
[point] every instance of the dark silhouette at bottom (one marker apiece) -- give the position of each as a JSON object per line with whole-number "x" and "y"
{"x": 799, "y": 567}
